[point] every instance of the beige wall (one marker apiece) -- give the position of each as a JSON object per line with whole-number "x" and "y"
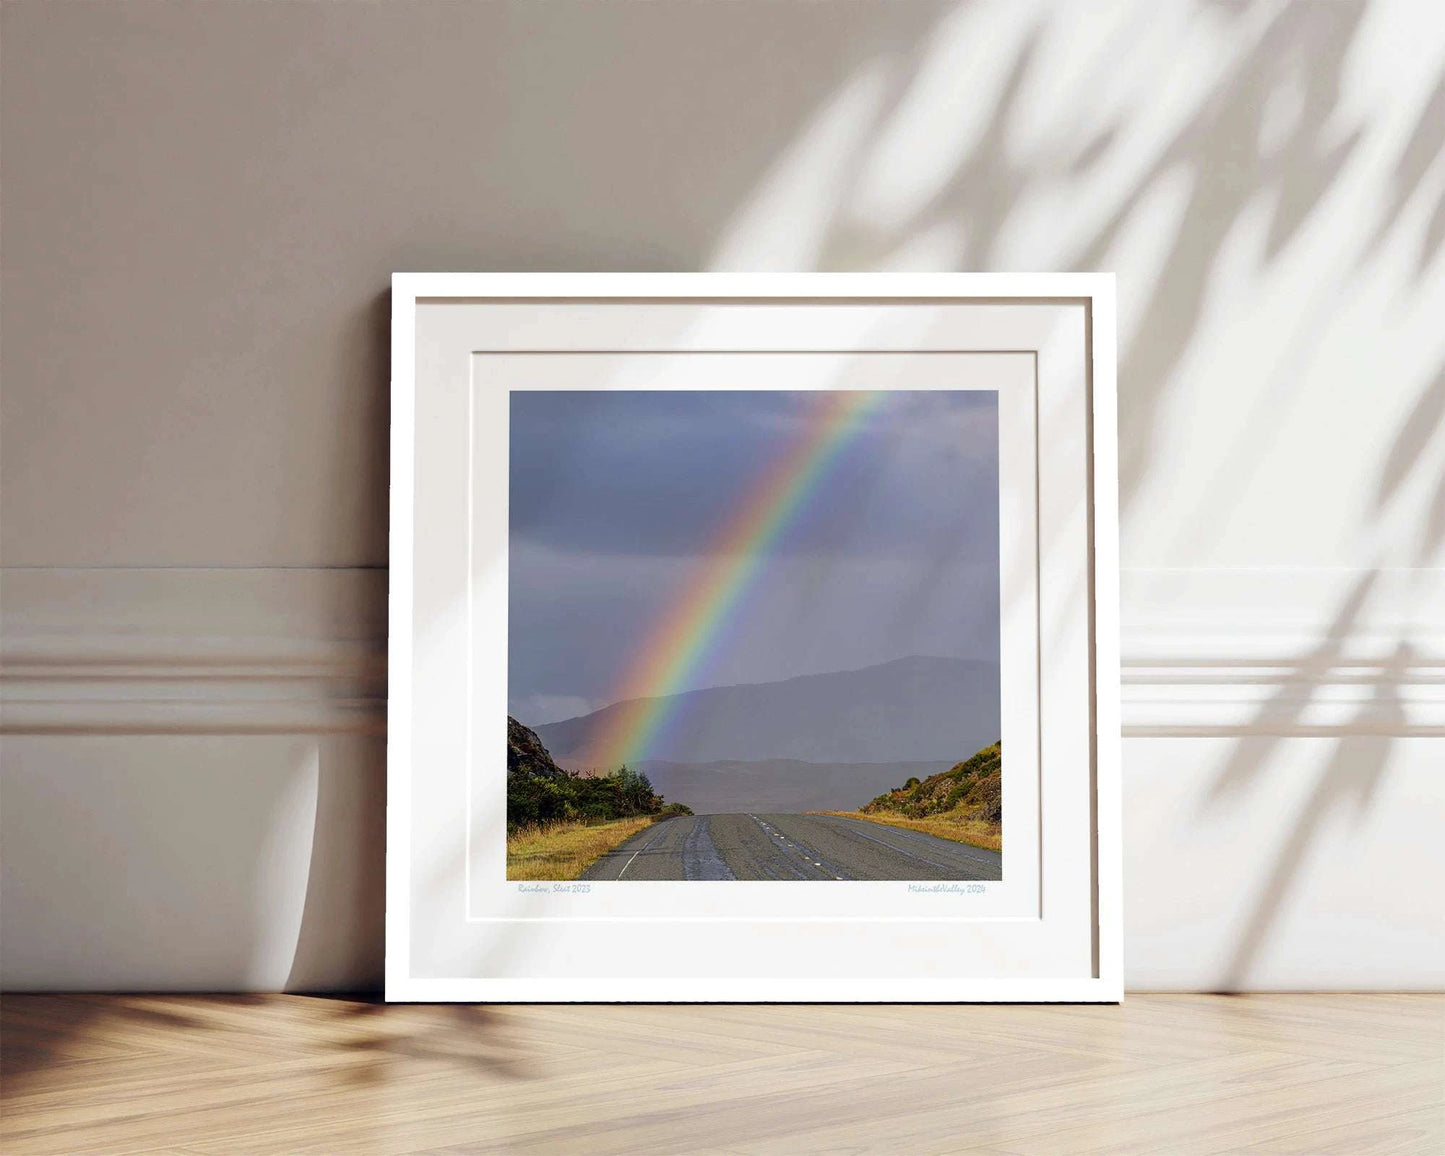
{"x": 201, "y": 207}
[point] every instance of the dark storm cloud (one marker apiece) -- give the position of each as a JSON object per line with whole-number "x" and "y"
{"x": 660, "y": 472}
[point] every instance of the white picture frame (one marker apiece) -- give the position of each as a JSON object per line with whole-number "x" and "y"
{"x": 1051, "y": 930}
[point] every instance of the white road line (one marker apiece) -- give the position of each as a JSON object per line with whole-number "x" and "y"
{"x": 638, "y": 852}
{"x": 803, "y": 855}
{"x": 628, "y": 864}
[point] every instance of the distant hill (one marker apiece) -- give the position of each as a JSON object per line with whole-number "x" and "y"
{"x": 912, "y": 710}
{"x": 784, "y": 785}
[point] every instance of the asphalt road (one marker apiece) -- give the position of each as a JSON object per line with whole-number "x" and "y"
{"x": 752, "y": 846}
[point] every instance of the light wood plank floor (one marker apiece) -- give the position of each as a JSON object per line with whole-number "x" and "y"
{"x": 293, "y": 1074}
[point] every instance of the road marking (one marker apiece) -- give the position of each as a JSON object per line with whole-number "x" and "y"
{"x": 805, "y": 855}
{"x": 628, "y": 864}
{"x": 641, "y": 849}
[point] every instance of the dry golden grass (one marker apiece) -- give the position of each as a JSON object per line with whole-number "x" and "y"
{"x": 989, "y": 836}
{"x": 561, "y": 851}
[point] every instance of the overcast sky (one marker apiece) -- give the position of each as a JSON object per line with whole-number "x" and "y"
{"x": 617, "y": 497}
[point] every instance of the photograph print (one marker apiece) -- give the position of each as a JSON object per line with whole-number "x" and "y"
{"x": 754, "y": 635}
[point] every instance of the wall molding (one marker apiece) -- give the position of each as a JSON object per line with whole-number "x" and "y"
{"x": 188, "y": 651}
{"x": 1207, "y": 652}
{"x": 1283, "y": 651}
{"x": 1303, "y": 698}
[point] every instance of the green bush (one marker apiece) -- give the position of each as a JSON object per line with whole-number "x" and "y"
{"x": 572, "y": 795}
{"x": 539, "y": 791}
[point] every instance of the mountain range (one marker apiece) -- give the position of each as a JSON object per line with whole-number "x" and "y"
{"x": 911, "y": 710}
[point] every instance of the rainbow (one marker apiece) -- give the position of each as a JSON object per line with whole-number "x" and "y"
{"x": 685, "y": 637}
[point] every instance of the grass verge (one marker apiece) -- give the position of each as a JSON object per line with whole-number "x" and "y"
{"x": 560, "y": 851}
{"x": 974, "y": 832}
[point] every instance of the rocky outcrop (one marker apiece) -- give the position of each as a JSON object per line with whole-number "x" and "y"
{"x": 527, "y": 755}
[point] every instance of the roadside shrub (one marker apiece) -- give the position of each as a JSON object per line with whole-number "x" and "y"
{"x": 573, "y": 795}
{"x": 541, "y": 792}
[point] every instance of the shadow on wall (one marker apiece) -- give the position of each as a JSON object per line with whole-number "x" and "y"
{"x": 341, "y": 937}
{"x": 1363, "y": 742}
{"x": 1263, "y": 135}
{"x": 1043, "y": 139}
{"x": 135, "y": 838}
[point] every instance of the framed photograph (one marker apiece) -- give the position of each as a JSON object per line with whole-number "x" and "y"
{"x": 753, "y": 637}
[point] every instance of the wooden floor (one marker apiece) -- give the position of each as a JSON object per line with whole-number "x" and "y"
{"x": 291, "y": 1074}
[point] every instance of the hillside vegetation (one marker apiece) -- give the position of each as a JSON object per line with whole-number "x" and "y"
{"x": 540, "y": 792}
{"x": 972, "y": 789}
{"x": 560, "y": 822}
{"x": 963, "y": 803}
